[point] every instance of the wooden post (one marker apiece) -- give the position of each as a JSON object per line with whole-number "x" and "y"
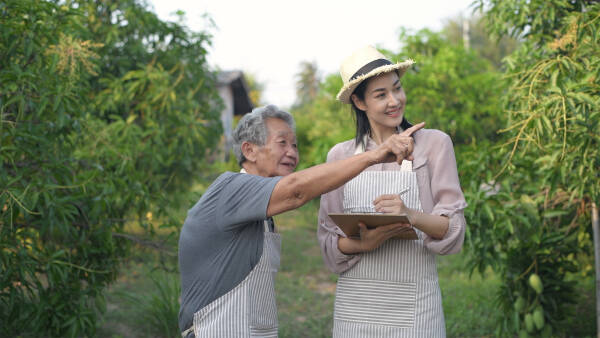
{"x": 596, "y": 230}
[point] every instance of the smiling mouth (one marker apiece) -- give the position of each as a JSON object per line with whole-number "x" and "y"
{"x": 394, "y": 112}
{"x": 290, "y": 165}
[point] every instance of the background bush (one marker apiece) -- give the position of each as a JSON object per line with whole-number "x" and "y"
{"x": 106, "y": 114}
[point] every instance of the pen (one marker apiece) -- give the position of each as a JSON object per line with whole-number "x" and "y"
{"x": 403, "y": 192}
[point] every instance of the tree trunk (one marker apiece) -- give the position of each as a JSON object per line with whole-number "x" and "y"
{"x": 596, "y": 230}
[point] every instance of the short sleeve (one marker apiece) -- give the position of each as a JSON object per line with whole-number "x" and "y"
{"x": 244, "y": 198}
{"x": 448, "y": 198}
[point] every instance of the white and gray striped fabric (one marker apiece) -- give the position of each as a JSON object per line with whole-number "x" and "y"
{"x": 360, "y": 192}
{"x": 249, "y": 310}
{"x": 392, "y": 291}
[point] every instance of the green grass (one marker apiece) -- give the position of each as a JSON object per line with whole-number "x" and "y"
{"x": 306, "y": 290}
{"x": 468, "y": 301}
{"x": 144, "y": 301}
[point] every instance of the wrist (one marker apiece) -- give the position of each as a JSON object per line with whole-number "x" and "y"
{"x": 413, "y": 216}
{"x": 361, "y": 246}
{"x": 372, "y": 157}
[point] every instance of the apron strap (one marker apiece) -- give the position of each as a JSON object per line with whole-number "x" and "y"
{"x": 269, "y": 225}
{"x": 186, "y": 332}
{"x": 406, "y": 166}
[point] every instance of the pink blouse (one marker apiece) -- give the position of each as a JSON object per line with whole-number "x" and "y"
{"x": 439, "y": 192}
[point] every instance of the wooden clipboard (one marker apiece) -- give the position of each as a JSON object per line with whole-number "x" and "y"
{"x": 349, "y": 223}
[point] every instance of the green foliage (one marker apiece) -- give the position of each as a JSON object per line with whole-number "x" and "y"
{"x": 322, "y": 123}
{"x": 452, "y": 88}
{"x": 105, "y": 112}
{"x": 546, "y": 167}
{"x": 554, "y": 105}
{"x": 515, "y": 229}
{"x": 534, "y": 20}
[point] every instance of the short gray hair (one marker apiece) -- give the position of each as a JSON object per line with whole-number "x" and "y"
{"x": 252, "y": 128}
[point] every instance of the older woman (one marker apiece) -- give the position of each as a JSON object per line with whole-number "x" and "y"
{"x": 388, "y": 287}
{"x": 228, "y": 248}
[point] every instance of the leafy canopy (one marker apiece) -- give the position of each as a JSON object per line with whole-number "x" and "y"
{"x": 106, "y": 112}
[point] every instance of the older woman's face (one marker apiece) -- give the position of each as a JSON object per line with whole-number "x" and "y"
{"x": 384, "y": 101}
{"x": 279, "y": 155}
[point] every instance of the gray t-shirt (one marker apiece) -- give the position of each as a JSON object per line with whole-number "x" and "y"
{"x": 221, "y": 240}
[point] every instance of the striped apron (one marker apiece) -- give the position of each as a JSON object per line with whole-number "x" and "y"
{"x": 392, "y": 291}
{"x": 249, "y": 309}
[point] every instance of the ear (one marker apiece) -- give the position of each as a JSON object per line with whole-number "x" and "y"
{"x": 250, "y": 150}
{"x": 360, "y": 104}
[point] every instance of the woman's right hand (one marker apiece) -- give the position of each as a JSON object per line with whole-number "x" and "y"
{"x": 371, "y": 239}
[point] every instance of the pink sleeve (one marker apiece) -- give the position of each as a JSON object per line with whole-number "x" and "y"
{"x": 448, "y": 198}
{"x": 327, "y": 232}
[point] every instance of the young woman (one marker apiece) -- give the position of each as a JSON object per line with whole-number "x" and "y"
{"x": 388, "y": 287}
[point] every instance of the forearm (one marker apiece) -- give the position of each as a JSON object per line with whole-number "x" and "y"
{"x": 333, "y": 258}
{"x": 326, "y": 177}
{"x": 433, "y": 225}
{"x": 454, "y": 237}
{"x": 298, "y": 188}
{"x": 349, "y": 246}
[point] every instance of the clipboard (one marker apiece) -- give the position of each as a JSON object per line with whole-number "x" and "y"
{"x": 349, "y": 223}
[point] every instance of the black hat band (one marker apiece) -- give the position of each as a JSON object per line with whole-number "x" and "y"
{"x": 369, "y": 67}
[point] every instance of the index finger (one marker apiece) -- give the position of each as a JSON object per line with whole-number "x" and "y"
{"x": 411, "y": 130}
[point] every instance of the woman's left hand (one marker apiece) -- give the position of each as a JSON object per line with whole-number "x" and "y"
{"x": 390, "y": 204}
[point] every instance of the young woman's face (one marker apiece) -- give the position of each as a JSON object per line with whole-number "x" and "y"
{"x": 384, "y": 101}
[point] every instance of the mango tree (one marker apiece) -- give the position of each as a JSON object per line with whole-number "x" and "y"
{"x": 529, "y": 216}
{"x": 106, "y": 113}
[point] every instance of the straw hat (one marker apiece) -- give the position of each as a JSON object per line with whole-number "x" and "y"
{"x": 363, "y": 64}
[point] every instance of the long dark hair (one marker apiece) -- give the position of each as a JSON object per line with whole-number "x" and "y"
{"x": 363, "y": 127}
